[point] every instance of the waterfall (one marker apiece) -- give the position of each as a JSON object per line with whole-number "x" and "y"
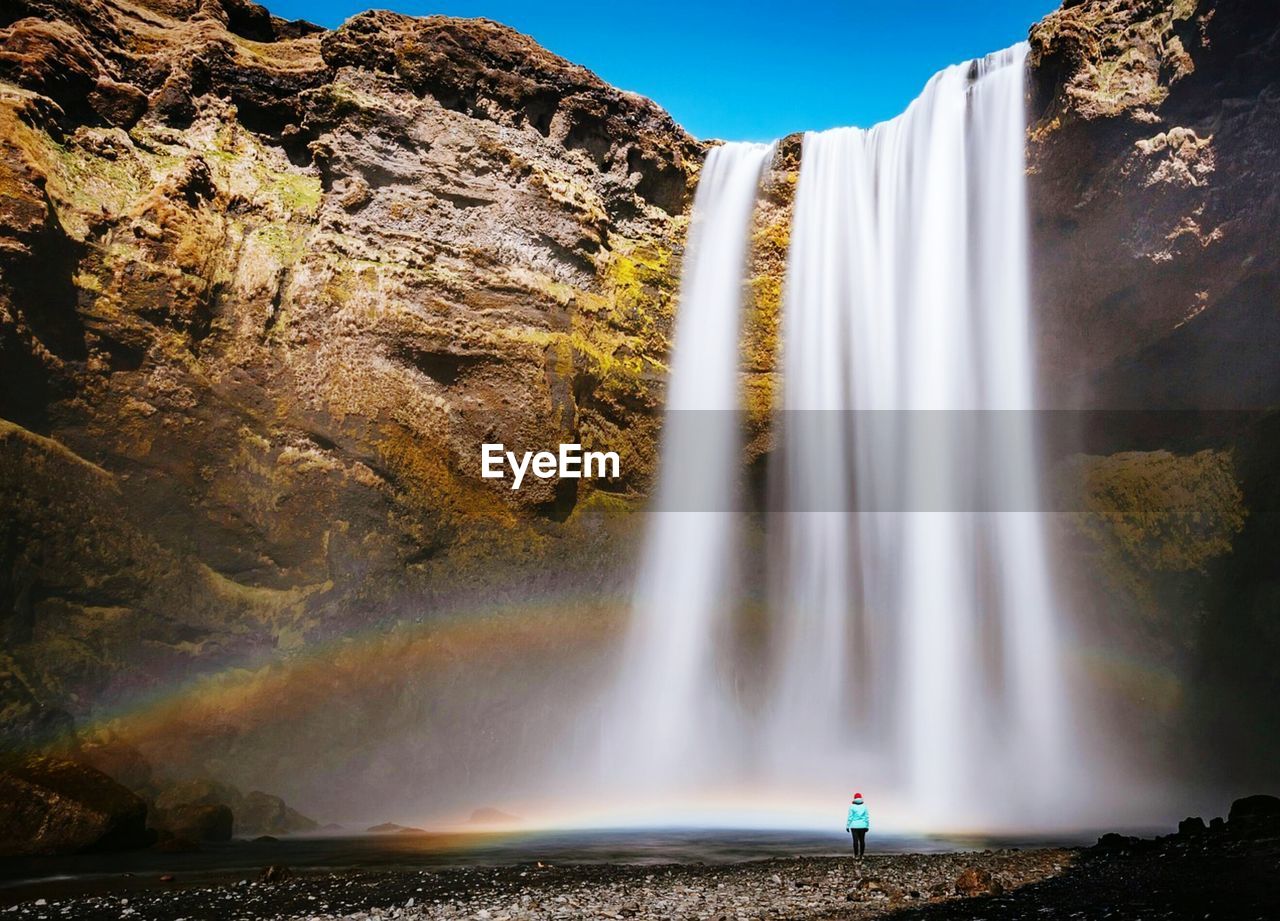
{"x": 913, "y": 644}
{"x": 916, "y": 638}
{"x": 669, "y": 710}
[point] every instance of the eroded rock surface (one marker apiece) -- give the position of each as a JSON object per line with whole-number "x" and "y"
{"x": 55, "y": 806}
{"x": 264, "y": 289}
{"x": 1154, "y": 165}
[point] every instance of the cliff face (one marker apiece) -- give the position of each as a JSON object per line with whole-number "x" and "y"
{"x": 1154, "y": 166}
{"x": 266, "y": 289}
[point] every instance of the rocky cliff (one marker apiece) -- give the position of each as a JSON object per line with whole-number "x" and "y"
{"x": 1153, "y": 161}
{"x": 264, "y": 288}
{"x": 1154, "y": 158}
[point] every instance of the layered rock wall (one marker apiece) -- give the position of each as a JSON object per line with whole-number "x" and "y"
{"x": 264, "y": 291}
{"x": 264, "y": 288}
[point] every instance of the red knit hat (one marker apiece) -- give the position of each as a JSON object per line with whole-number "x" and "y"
{"x": 857, "y": 796}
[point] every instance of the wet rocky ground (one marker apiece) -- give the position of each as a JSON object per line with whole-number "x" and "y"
{"x": 780, "y": 888}
{"x": 1206, "y": 874}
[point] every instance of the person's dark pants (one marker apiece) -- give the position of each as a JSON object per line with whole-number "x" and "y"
{"x": 859, "y": 841}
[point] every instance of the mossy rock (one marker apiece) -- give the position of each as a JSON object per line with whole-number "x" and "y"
{"x": 1160, "y": 511}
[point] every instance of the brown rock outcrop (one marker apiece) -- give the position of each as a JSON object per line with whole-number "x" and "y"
{"x": 1255, "y": 816}
{"x": 195, "y": 823}
{"x": 54, "y": 806}
{"x": 263, "y": 814}
{"x": 491, "y": 72}
{"x": 1155, "y": 167}
{"x": 194, "y": 810}
{"x": 977, "y": 881}
{"x": 265, "y": 289}
{"x": 1155, "y": 163}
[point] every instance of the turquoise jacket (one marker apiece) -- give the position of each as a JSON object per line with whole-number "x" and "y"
{"x": 858, "y": 816}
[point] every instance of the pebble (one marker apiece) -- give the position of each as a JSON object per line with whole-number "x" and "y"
{"x": 1072, "y": 884}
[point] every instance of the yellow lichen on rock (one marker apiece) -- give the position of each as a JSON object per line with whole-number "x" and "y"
{"x": 1162, "y": 511}
{"x": 1121, "y": 58}
{"x": 766, "y": 275}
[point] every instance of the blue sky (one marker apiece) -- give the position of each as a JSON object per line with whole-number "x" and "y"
{"x": 751, "y": 70}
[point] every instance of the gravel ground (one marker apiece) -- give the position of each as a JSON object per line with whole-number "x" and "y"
{"x": 818, "y": 887}
{"x": 1205, "y": 877}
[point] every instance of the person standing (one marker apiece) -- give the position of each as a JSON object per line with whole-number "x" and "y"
{"x": 857, "y": 824}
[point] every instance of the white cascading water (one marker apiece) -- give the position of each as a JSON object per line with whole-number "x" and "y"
{"x": 668, "y": 708}
{"x": 917, "y": 642}
{"x": 913, "y": 647}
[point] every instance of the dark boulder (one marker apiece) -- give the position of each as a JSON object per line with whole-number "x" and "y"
{"x": 118, "y": 104}
{"x": 55, "y": 806}
{"x": 1113, "y": 841}
{"x": 173, "y": 102}
{"x": 1255, "y": 816}
{"x": 254, "y": 814}
{"x": 1192, "y": 825}
{"x": 197, "y": 822}
{"x": 263, "y": 814}
{"x": 276, "y": 873}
